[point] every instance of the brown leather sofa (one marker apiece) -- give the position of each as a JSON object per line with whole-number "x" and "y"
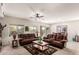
{"x": 26, "y": 38}
{"x": 56, "y": 39}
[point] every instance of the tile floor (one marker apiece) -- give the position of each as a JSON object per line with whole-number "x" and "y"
{"x": 72, "y": 48}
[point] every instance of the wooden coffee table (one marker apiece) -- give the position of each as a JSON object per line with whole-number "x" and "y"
{"x": 41, "y": 46}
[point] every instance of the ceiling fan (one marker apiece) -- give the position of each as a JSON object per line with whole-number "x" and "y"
{"x": 37, "y": 15}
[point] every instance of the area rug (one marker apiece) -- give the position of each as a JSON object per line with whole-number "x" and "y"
{"x": 35, "y": 51}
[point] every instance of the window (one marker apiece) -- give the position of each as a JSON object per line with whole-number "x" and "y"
{"x": 30, "y": 28}
{"x": 17, "y": 28}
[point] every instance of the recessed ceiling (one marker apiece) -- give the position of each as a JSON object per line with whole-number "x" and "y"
{"x": 52, "y": 12}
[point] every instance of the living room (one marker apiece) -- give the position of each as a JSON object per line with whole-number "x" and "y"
{"x": 39, "y": 29}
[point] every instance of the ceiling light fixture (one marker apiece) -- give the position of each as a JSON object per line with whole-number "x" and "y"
{"x": 37, "y": 15}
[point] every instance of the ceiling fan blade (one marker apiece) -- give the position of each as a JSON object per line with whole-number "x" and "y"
{"x": 41, "y": 16}
{"x": 37, "y": 15}
{"x": 31, "y": 17}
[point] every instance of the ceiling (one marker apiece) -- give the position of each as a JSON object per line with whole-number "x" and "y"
{"x": 52, "y": 12}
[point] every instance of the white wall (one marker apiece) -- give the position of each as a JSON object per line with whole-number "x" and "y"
{"x": 1, "y": 13}
{"x": 73, "y": 28}
{"x": 12, "y": 20}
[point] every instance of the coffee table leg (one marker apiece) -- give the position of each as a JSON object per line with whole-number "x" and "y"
{"x": 32, "y": 44}
{"x": 42, "y": 47}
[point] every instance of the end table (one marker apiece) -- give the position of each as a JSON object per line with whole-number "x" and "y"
{"x": 15, "y": 43}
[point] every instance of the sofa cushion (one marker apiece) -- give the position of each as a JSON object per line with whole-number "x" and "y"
{"x": 47, "y": 40}
{"x": 27, "y": 40}
{"x": 49, "y": 36}
{"x": 26, "y": 36}
{"x": 59, "y": 37}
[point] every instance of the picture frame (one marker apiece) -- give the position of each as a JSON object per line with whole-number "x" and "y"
{"x": 61, "y": 28}
{"x": 26, "y": 28}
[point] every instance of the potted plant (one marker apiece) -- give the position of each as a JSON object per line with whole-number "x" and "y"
{"x": 40, "y": 40}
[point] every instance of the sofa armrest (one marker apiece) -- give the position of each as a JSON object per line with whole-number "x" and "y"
{"x": 35, "y": 38}
{"x": 52, "y": 38}
{"x": 49, "y": 40}
{"x": 20, "y": 39}
{"x": 63, "y": 41}
{"x": 45, "y": 38}
{"x": 57, "y": 42}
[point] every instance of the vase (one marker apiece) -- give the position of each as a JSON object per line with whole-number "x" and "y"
{"x": 14, "y": 37}
{"x": 40, "y": 40}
